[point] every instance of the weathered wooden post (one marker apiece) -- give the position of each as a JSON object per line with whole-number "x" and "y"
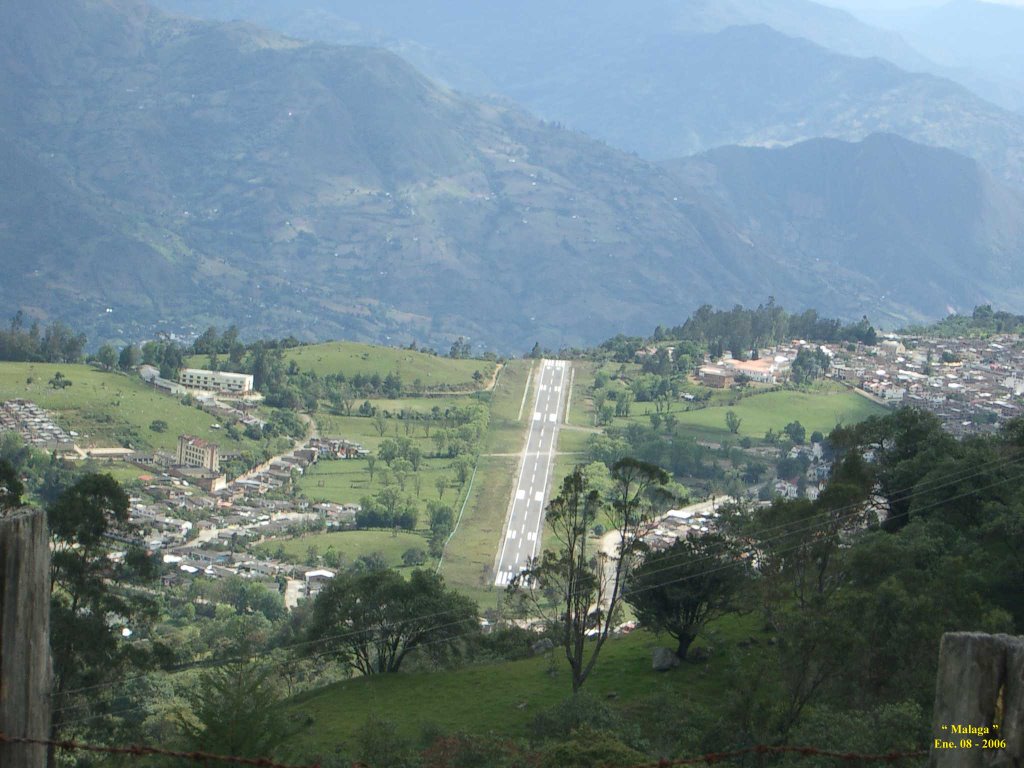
{"x": 978, "y": 721}
{"x": 25, "y": 666}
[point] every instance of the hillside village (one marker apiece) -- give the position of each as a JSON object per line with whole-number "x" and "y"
{"x": 973, "y": 385}
{"x": 205, "y": 524}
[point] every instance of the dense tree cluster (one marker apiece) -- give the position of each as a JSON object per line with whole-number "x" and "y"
{"x": 809, "y": 364}
{"x": 737, "y": 330}
{"x": 54, "y": 344}
{"x": 167, "y": 355}
{"x": 372, "y": 621}
{"x": 740, "y": 330}
{"x": 983, "y": 320}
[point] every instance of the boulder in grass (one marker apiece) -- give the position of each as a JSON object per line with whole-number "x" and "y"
{"x": 543, "y": 645}
{"x": 664, "y": 659}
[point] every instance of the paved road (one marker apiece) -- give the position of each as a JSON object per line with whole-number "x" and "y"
{"x": 526, "y": 511}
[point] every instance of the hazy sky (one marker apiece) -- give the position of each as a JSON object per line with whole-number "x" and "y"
{"x": 893, "y": 5}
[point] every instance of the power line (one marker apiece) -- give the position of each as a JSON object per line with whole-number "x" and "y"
{"x": 722, "y": 566}
{"x": 913, "y": 491}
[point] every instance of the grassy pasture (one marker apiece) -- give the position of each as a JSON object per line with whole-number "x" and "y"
{"x": 351, "y": 544}
{"x": 111, "y": 409}
{"x": 821, "y": 408}
{"x": 503, "y": 698}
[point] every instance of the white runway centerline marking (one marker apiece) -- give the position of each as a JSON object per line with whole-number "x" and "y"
{"x": 526, "y": 508}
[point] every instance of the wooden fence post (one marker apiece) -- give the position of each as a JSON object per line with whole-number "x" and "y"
{"x": 979, "y": 688}
{"x": 25, "y": 666}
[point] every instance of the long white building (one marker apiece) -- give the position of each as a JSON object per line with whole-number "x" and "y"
{"x": 221, "y": 381}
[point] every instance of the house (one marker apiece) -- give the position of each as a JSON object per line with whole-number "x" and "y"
{"x": 717, "y": 378}
{"x": 316, "y": 580}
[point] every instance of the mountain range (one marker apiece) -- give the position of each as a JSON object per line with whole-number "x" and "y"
{"x": 666, "y": 78}
{"x": 160, "y": 172}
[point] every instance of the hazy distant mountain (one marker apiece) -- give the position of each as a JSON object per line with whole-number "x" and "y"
{"x": 976, "y": 43}
{"x": 181, "y": 173}
{"x": 479, "y": 32}
{"x": 986, "y": 36}
{"x": 665, "y": 78}
{"x": 922, "y": 223}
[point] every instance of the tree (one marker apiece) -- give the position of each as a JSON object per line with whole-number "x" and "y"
{"x": 796, "y": 432}
{"x": 87, "y": 607}
{"x": 440, "y": 440}
{"x": 392, "y": 386}
{"x": 371, "y": 463}
{"x": 60, "y": 381}
{"x": 380, "y": 423}
{"x": 585, "y": 587}
{"x": 460, "y": 349}
{"x": 809, "y": 365}
{"x": 442, "y": 521}
{"x": 441, "y": 484}
{"x": 129, "y": 357}
{"x": 623, "y": 402}
{"x": 342, "y": 397}
{"x": 463, "y": 469}
{"x": 234, "y": 709}
{"x": 372, "y": 621}
{"x": 732, "y": 421}
{"x": 207, "y": 343}
{"x": 172, "y": 361}
{"x": 158, "y": 425}
{"x": 442, "y": 518}
{"x": 11, "y": 487}
{"x": 680, "y": 589}
{"x": 106, "y": 356}
{"x": 414, "y": 556}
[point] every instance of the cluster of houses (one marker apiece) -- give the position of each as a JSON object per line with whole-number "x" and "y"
{"x": 203, "y": 535}
{"x": 973, "y": 385}
{"x": 35, "y": 426}
{"x": 805, "y": 483}
{"x": 691, "y": 520}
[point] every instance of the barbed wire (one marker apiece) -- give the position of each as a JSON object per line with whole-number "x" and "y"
{"x": 710, "y": 758}
{"x": 764, "y": 749}
{"x": 138, "y": 750}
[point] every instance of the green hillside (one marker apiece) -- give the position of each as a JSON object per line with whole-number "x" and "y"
{"x": 433, "y": 372}
{"x": 349, "y": 358}
{"x": 503, "y": 698}
{"x": 111, "y": 410}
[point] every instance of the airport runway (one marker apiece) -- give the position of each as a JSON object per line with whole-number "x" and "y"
{"x": 526, "y": 510}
